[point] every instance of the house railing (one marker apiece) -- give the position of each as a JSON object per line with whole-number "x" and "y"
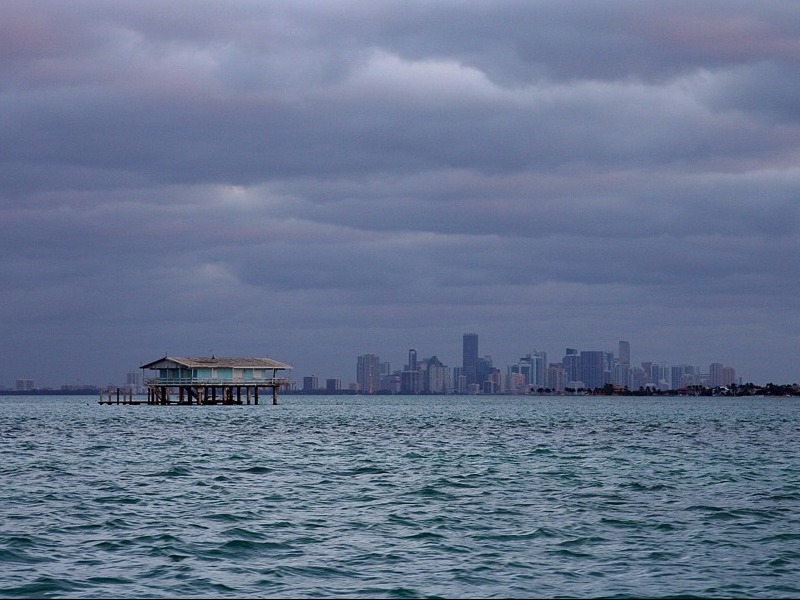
{"x": 211, "y": 381}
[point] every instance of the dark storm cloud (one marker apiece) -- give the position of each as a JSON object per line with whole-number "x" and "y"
{"x": 548, "y": 174}
{"x": 237, "y": 103}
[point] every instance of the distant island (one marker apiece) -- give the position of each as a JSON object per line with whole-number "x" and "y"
{"x": 68, "y": 391}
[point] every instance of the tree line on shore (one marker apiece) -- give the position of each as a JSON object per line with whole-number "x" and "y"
{"x": 745, "y": 389}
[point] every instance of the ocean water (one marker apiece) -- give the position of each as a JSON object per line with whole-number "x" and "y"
{"x": 401, "y": 497}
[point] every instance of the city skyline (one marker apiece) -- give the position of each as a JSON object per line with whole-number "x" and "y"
{"x": 575, "y": 368}
{"x": 316, "y": 181}
{"x": 372, "y": 367}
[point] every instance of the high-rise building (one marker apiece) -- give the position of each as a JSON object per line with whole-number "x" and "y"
{"x": 572, "y": 364}
{"x": 384, "y": 369}
{"x": 493, "y": 382}
{"x": 539, "y": 370}
{"x": 520, "y": 374}
{"x": 485, "y": 369}
{"x": 728, "y": 375}
{"x": 625, "y": 353}
{"x": 556, "y": 377}
{"x": 720, "y": 376}
{"x": 621, "y": 373}
{"x": 639, "y": 378}
{"x": 593, "y": 366}
{"x": 410, "y": 380}
{"x": 662, "y": 376}
{"x": 134, "y": 381}
{"x": 311, "y": 383}
{"x": 647, "y": 372}
{"x": 333, "y": 384}
{"x": 470, "y": 358}
{"x": 368, "y": 373}
{"x": 435, "y": 378}
{"x": 533, "y": 366}
{"x": 516, "y": 382}
{"x": 391, "y": 382}
{"x": 682, "y": 376}
{"x": 25, "y": 385}
{"x": 412, "y": 360}
{"x": 715, "y": 374}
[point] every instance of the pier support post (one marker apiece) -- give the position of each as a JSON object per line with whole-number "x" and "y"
{"x": 274, "y": 394}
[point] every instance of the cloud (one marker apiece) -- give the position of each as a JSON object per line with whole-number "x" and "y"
{"x": 271, "y": 175}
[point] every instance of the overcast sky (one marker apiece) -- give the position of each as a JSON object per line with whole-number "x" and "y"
{"x": 311, "y": 181}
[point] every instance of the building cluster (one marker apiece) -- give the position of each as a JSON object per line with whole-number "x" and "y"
{"x": 133, "y": 384}
{"x": 25, "y": 385}
{"x": 577, "y": 370}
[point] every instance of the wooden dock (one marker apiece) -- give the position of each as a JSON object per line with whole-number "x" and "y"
{"x": 118, "y": 396}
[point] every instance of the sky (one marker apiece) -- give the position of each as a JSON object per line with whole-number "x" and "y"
{"x": 312, "y": 181}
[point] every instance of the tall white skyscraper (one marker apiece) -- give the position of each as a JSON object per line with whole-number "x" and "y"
{"x": 368, "y": 373}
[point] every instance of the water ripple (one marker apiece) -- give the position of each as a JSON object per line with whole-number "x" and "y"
{"x": 402, "y": 497}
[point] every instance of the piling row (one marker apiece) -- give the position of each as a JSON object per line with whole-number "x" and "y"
{"x": 190, "y": 395}
{"x": 117, "y": 396}
{"x": 207, "y": 394}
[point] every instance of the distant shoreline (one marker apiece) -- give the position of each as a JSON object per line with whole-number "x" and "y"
{"x": 792, "y": 390}
{"x": 48, "y": 392}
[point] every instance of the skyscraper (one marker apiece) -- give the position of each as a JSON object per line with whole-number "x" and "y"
{"x": 470, "y": 358}
{"x": 533, "y": 366}
{"x": 572, "y": 364}
{"x": 412, "y": 360}
{"x": 715, "y": 374}
{"x": 625, "y": 353}
{"x": 368, "y": 373}
{"x": 720, "y": 375}
{"x": 592, "y": 368}
{"x": 410, "y": 378}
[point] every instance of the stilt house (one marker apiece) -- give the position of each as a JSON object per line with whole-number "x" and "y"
{"x": 203, "y": 380}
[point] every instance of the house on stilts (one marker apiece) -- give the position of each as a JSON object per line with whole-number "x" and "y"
{"x": 203, "y": 380}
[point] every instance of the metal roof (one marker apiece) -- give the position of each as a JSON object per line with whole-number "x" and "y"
{"x": 196, "y": 362}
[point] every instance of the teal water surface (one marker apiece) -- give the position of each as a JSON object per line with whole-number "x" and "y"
{"x": 401, "y": 497}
